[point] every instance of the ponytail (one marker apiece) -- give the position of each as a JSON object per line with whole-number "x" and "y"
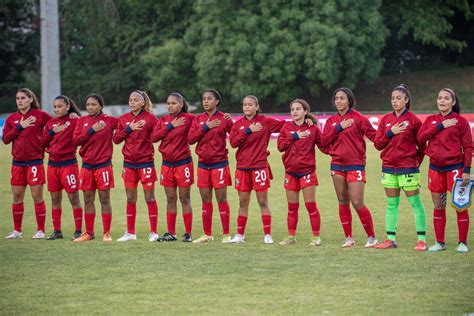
{"x": 73, "y": 108}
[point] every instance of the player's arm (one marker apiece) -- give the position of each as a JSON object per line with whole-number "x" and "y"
{"x": 10, "y": 131}
{"x": 285, "y": 139}
{"x": 238, "y": 136}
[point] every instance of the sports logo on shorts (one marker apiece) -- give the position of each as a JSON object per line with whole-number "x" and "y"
{"x": 287, "y": 181}
{"x": 237, "y": 182}
{"x": 161, "y": 177}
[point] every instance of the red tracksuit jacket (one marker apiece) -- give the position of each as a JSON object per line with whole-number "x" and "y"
{"x": 347, "y": 147}
{"x": 26, "y": 142}
{"x": 211, "y": 147}
{"x": 174, "y": 141}
{"x": 401, "y": 153}
{"x": 96, "y": 147}
{"x": 448, "y": 148}
{"x": 138, "y": 147}
{"x": 60, "y": 146}
{"x": 299, "y": 156}
{"x": 252, "y": 150}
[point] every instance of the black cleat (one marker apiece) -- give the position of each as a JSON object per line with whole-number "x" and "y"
{"x": 187, "y": 237}
{"x": 168, "y": 237}
{"x": 56, "y": 234}
{"x": 77, "y": 234}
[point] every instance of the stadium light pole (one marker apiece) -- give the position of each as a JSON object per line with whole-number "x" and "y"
{"x": 50, "y": 71}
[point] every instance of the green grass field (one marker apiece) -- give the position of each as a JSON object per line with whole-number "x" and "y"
{"x": 59, "y": 277}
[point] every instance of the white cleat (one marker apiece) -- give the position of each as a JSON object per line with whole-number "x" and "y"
{"x": 238, "y": 239}
{"x": 153, "y": 237}
{"x": 14, "y": 235}
{"x": 267, "y": 239}
{"x": 348, "y": 243}
{"x": 39, "y": 235}
{"x": 127, "y": 237}
{"x": 371, "y": 242}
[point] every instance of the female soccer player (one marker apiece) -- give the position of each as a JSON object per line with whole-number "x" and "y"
{"x": 297, "y": 141}
{"x": 450, "y": 150}
{"x": 209, "y": 130}
{"x": 63, "y": 172}
{"x": 343, "y": 138}
{"x": 177, "y": 168}
{"x": 94, "y": 134}
{"x": 396, "y": 138}
{"x": 135, "y": 129}
{"x": 24, "y": 128}
{"x": 250, "y": 135}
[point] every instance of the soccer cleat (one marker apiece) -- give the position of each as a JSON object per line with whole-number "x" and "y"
{"x": 127, "y": 237}
{"x": 315, "y": 241}
{"x": 187, "y": 237}
{"x": 39, "y": 235}
{"x": 84, "y": 237}
{"x": 348, "y": 243}
{"x": 371, "y": 242}
{"x": 267, "y": 239}
{"x": 14, "y": 235}
{"x": 168, "y": 237}
{"x": 238, "y": 239}
{"x": 437, "y": 247}
{"x": 77, "y": 234}
{"x": 387, "y": 244}
{"x": 107, "y": 237}
{"x": 153, "y": 237}
{"x": 291, "y": 240}
{"x": 462, "y": 248}
{"x": 420, "y": 246}
{"x": 203, "y": 239}
{"x": 226, "y": 239}
{"x": 56, "y": 234}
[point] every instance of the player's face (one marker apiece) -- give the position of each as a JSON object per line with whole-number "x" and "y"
{"x": 60, "y": 108}
{"x": 298, "y": 112}
{"x": 135, "y": 102}
{"x": 341, "y": 101}
{"x": 23, "y": 102}
{"x": 399, "y": 100}
{"x": 445, "y": 102}
{"x": 250, "y": 107}
{"x": 209, "y": 102}
{"x": 93, "y": 107}
{"x": 174, "y": 105}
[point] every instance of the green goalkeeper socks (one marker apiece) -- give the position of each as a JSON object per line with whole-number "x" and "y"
{"x": 420, "y": 216}
{"x": 391, "y": 218}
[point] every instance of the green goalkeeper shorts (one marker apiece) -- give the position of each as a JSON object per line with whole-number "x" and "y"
{"x": 407, "y": 182}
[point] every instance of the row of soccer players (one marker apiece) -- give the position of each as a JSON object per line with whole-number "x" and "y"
{"x": 445, "y": 137}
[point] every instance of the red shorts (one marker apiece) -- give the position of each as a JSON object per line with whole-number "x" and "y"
{"x": 248, "y": 180}
{"x": 66, "y": 178}
{"x": 101, "y": 179}
{"x": 147, "y": 176}
{"x": 296, "y": 184}
{"x": 350, "y": 176}
{"x": 30, "y": 175}
{"x": 181, "y": 176}
{"x": 440, "y": 182}
{"x": 214, "y": 178}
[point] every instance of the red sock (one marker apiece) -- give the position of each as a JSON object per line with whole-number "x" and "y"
{"x": 314, "y": 217}
{"x": 171, "y": 222}
{"x": 106, "y": 222}
{"x": 77, "y": 213}
{"x": 56, "y": 215}
{"x": 90, "y": 218}
{"x": 224, "y": 211}
{"x": 131, "y": 217}
{"x": 241, "y": 223}
{"x": 439, "y": 222}
{"x": 292, "y": 218}
{"x": 366, "y": 220}
{"x": 346, "y": 219}
{"x": 207, "y": 210}
{"x": 267, "y": 224}
{"x": 463, "y": 225}
{"x": 40, "y": 211}
{"x": 17, "y": 212}
{"x": 153, "y": 215}
{"x": 188, "y": 222}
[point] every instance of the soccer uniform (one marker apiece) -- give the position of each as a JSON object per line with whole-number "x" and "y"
{"x": 299, "y": 159}
{"x": 139, "y": 162}
{"x": 27, "y": 167}
{"x": 450, "y": 152}
{"x": 347, "y": 150}
{"x": 213, "y": 166}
